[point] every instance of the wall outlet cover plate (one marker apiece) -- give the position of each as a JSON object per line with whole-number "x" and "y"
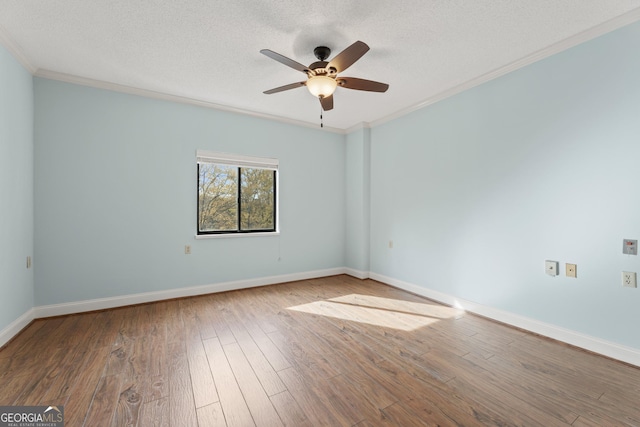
{"x": 629, "y": 279}
{"x": 551, "y": 267}
{"x": 571, "y": 270}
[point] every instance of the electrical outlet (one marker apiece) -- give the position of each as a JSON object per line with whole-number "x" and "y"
{"x": 570, "y": 270}
{"x": 551, "y": 267}
{"x": 187, "y": 249}
{"x": 629, "y": 279}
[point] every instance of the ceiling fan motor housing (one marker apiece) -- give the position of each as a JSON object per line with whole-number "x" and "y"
{"x": 319, "y": 68}
{"x": 322, "y": 75}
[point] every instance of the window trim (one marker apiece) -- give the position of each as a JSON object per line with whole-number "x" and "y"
{"x": 234, "y": 234}
{"x": 239, "y": 161}
{"x": 204, "y": 156}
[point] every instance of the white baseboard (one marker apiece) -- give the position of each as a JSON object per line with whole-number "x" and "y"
{"x": 606, "y": 348}
{"x": 616, "y": 351}
{"x": 124, "y": 300}
{"x": 356, "y": 273}
{"x": 16, "y": 326}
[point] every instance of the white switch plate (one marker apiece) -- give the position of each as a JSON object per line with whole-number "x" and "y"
{"x": 551, "y": 267}
{"x": 187, "y": 249}
{"x": 629, "y": 279}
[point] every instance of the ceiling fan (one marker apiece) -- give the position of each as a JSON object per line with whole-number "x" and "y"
{"x": 322, "y": 76}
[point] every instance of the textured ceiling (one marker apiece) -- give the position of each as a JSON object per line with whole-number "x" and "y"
{"x": 208, "y": 51}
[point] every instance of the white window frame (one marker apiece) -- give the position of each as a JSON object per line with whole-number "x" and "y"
{"x": 238, "y": 160}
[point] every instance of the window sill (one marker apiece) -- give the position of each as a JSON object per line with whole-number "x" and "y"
{"x": 233, "y": 235}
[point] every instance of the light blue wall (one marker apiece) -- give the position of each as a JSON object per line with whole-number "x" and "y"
{"x": 116, "y": 195}
{"x": 16, "y": 189}
{"x": 358, "y": 160}
{"x": 478, "y": 190}
{"x": 475, "y": 192}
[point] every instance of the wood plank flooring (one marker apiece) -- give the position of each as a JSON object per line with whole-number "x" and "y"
{"x": 336, "y": 351}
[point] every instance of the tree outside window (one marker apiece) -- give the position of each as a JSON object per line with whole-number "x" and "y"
{"x": 235, "y": 199}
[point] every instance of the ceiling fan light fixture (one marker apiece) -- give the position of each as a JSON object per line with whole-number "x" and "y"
{"x": 321, "y": 86}
{"x": 322, "y": 76}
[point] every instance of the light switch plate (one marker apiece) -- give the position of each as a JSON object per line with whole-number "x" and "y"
{"x": 570, "y": 270}
{"x": 551, "y": 267}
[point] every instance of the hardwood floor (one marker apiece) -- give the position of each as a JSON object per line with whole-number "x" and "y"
{"x": 336, "y": 351}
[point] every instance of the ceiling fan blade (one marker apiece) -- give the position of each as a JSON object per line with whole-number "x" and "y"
{"x": 362, "y": 84}
{"x": 327, "y": 103}
{"x": 347, "y": 57}
{"x": 285, "y": 87}
{"x": 286, "y": 61}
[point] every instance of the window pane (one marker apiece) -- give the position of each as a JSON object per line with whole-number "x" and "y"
{"x": 257, "y": 199}
{"x": 217, "y": 197}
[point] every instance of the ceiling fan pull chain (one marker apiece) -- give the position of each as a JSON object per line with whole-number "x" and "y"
{"x": 321, "y": 124}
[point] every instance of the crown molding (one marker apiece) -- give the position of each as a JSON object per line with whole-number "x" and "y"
{"x": 599, "y": 30}
{"x": 582, "y": 37}
{"x": 357, "y": 127}
{"x": 146, "y": 93}
{"x": 15, "y": 50}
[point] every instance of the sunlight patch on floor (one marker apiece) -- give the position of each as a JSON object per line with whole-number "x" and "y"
{"x": 385, "y": 312}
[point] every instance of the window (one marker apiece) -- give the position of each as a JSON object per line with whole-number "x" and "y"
{"x": 236, "y": 194}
